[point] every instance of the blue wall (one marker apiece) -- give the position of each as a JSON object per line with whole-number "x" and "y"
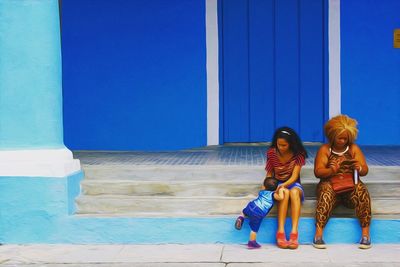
{"x": 371, "y": 68}
{"x": 134, "y": 74}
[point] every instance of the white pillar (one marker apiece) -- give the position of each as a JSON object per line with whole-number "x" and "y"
{"x": 212, "y": 72}
{"x": 334, "y": 58}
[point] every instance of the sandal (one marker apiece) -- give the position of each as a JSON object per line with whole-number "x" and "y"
{"x": 281, "y": 241}
{"x": 239, "y": 222}
{"x": 294, "y": 242}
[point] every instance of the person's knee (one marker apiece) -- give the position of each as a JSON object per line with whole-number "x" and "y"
{"x": 285, "y": 193}
{"x": 325, "y": 187}
{"x": 285, "y": 201}
{"x": 295, "y": 193}
{"x": 361, "y": 189}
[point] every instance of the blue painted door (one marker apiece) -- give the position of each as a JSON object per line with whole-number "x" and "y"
{"x": 272, "y": 68}
{"x": 134, "y": 75}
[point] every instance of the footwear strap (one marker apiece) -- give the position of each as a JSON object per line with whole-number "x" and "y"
{"x": 294, "y": 236}
{"x": 280, "y": 235}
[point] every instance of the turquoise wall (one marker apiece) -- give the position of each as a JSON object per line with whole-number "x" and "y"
{"x": 89, "y": 230}
{"x": 33, "y": 208}
{"x": 371, "y": 69}
{"x": 30, "y": 75}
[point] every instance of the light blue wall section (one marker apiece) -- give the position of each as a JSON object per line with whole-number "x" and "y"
{"x": 371, "y": 69}
{"x": 134, "y": 74}
{"x": 35, "y": 207}
{"x": 22, "y": 196}
{"x": 30, "y": 75}
{"x": 88, "y": 230}
{"x": 73, "y": 190}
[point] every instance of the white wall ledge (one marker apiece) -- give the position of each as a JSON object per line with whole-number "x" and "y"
{"x": 38, "y": 163}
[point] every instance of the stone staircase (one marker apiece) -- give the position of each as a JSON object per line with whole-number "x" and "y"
{"x": 123, "y": 190}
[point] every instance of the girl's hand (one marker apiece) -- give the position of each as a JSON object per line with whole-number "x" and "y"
{"x": 280, "y": 193}
{"x": 281, "y": 190}
{"x": 280, "y": 187}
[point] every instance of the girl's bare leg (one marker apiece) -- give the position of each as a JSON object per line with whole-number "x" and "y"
{"x": 253, "y": 236}
{"x": 295, "y": 206}
{"x": 282, "y": 211}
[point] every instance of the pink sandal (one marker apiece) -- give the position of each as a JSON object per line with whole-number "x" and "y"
{"x": 281, "y": 240}
{"x": 294, "y": 242}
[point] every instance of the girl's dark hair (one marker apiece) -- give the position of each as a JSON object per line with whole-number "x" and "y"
{"x": 295, "y": 144}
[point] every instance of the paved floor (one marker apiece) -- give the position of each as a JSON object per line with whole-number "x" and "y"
{"x": 245, "y": 154}
{"x": 195, "y": 255}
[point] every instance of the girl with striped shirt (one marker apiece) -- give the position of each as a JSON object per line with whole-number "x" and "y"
{"x": 285, "y": 157}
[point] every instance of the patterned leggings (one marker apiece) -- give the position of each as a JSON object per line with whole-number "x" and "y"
{"x": 327, "y": 200}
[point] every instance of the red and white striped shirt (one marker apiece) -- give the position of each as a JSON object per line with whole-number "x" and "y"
{"x": 282, "y": 171}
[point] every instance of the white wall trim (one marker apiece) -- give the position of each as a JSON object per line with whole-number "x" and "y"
{"x": 334, "y": 58}
{"x": 212, "y": 72}
{"x": 40, "y": 162}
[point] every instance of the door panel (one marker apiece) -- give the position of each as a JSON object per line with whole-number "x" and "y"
{"x": 236, "y": 72}
{"x": 261, "y": 69}
{"x": 272, "y": 68}
{"x": 312, "y": 68}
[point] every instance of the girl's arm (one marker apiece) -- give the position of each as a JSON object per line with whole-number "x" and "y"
{"x": 293, "y": 178}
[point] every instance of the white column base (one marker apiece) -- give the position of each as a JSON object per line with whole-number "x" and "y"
{"x": 41, "y": 162}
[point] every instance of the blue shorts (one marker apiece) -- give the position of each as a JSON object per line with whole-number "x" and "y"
{"x": 255, "y": 215}
{"x": 295, "y": 184}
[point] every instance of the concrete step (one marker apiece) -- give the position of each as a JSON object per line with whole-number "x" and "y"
{"x": 133, "y": 206}
{"x": 210, "y": 188}
{"x": 232, "y": 181}
{"x": 182, "y": 190}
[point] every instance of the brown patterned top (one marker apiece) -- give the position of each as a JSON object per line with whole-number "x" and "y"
{"x": 347, "y": 161}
